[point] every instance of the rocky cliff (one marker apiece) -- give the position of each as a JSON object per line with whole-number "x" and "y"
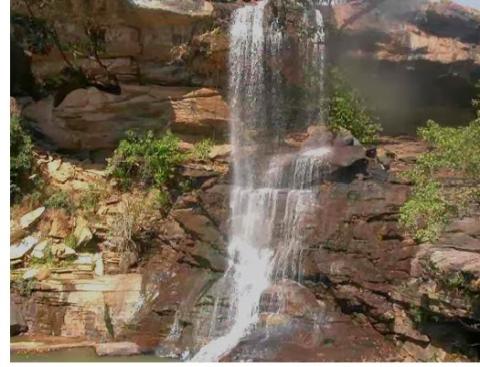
{"x": 421, "y": 62}
{"x": 379, "y": 293}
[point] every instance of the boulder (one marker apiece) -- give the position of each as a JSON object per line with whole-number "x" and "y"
{"x": 200, "y": 112}
{"x": 30, "y": 274}
{"x": 117, "y": 349}
{"x": 61, "y": 171}
{"x": 39, "y": 251}
{"x": 24, "y": 247}
{"x": 62, "y": 251}
{"x": 82, "y": 232}
{"x": 91, "y": 119}
{"x": 31, "y": 218}
{"x": 85, "y": 259}
{"x": 220, "y": 151}
{"x": 61, "y": 226}
{"x": 36, "y": 273}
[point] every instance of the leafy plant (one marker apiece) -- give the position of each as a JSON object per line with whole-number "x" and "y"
{"x": 71, "y": 241}
{"x": 202, "y": 149}
{"x": 91, "y": 197}
{"x": 426, "y": 212}
{"x": 347, "y": 110}
{"x": 147, "y": 158}
{"x": 454, "y": 151}
{"x": 21, "y": 157}
{"x": 60, "y": 200}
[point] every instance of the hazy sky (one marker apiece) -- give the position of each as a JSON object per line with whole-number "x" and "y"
{"x": 472, "y": 3}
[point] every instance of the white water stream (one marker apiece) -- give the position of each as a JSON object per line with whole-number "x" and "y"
{"x": 267, "y": 205}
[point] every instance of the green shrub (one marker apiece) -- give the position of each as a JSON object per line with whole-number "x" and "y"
{"x": 147, "y": 158}
{"x": 21, "y": 157}
{"x": 203, "y": 149}
{"x": 426, "y": 212}
{"x": 71, "y": 241}
{"x": 90, "y": 198}
{"x": 432, "y": 204}
{"x": 346, "y": 109}
{"x": 60, "y": 200}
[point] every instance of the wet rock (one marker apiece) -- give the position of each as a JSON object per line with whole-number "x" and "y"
{"x": 345, "y": 156}
{"x": 19, "y": 250}
{"x": 209, "y": 256}
{"x": 117, "y": 349}
{"x": 198, "y": 225}
{"x": 31, "y": 218}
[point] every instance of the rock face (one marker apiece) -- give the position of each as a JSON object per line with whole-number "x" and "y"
{"x": 89, "y": 119}
{"x": 431, "y": 53}
{"x": 361, "y": 277}
{"x": 93, "y": 308}
{"x": 139, "y": 36}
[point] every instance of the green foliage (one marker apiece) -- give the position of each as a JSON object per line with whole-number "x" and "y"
{"x": 21, "y": 157}
{"x": 71, "y": 241}
{"x": 90, "y": 198}
{"x": 346, "y": 109}
{"x": 162, "y": 200}
{"x": 60, "y": 200}
{"x": 202, "y": 149}
{"x": 455, "y": 150}
{"x": 33, "y": 33}
{"x": 426, "y": 212}
{"x": 147, "y": 158}
{"x": 25, "y": 286}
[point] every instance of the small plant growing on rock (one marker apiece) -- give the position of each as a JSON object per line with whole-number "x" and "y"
{"x": 61, "y": 200}
{"x": 346, "y": 109}
{"x": 71, "y": 241}
{"x": 148, "y": 158}
{"x": 202, "y": 149}
{"x": 91, "y": 197}
{"x": 454, "y": 152}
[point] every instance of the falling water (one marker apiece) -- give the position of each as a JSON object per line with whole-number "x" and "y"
{"x": 271, "y": 192}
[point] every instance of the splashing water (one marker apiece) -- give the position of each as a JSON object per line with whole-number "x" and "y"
{"x": 267, "y": 205}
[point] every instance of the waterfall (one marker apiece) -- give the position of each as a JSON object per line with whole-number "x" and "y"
{"x": 271, "y": 191}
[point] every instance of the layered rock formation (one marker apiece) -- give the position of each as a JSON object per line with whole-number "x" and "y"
{"x": 88, "y": 119}
{"x": 362, "y": 277}
{"x": 367, "y": 291}
{"x": 421, "y": 62}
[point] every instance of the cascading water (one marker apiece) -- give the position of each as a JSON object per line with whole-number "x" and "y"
{"x": 271, "y": 192}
